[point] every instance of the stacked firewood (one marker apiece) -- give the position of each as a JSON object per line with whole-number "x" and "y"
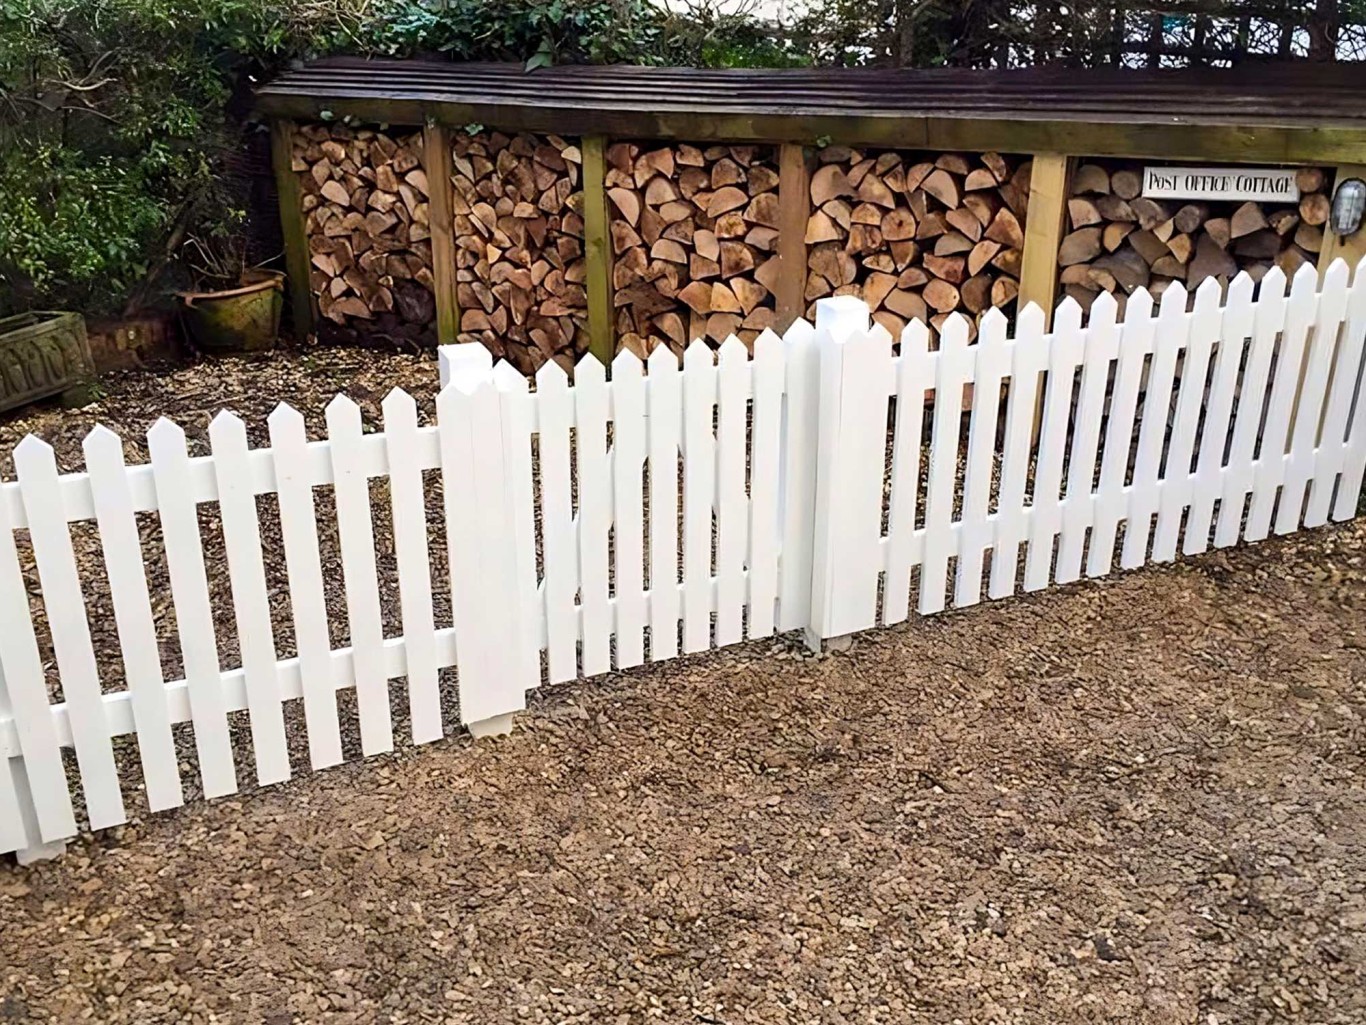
{"x": 1118, "y": 240}
{"x": 367, "y": 222}
{"x": 518, "y": 210}
{"x": 694, "y": 242}
{"x": 918, "y": 238}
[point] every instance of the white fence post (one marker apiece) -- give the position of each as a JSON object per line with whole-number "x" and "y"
{"x": 855, "y": 368}
{"x": 484, "y": 529}
{"x": 19, "y": 828}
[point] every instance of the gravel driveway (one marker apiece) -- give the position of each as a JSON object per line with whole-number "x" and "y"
{"x": 1139, "y": 800}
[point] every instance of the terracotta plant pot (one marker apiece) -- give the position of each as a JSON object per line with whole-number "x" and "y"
{"x": 241, "y": 319}
{"x": 43, "y": 354}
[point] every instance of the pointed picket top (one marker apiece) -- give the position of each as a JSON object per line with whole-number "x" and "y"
{"x": 102, "y": 443}
{"x": 163, "y": 431}
{"x": 551, "y": 377}
{"x": 507, "y": 378}
{"x": 662, "y": 360}
{"x": 1337, "y": 275}
{"x": 1307, "y": 271}
{"x": 1240, "y": 289}
{"x": 1208, "y": 293}
{"x": 626, "y": 362}
{"x": 33, "y": 452}
{"x": 398, "y": 405}
{"x": 1358, "y": 272}
{"x": 954, "y": 333}
{"x": 915, "y": 337}
{"x": 733, "y": 350}
{"x": 1030, "y": 321}
{"x": 1272, "y": 284}
{"x": 227, "y": 426}
{"x": 589, "y": 370}
{"x": 767, "y": 337}
{"x": 879, "y": 335}
{"x": 798, "y": 332}
{"x": 699, "y": 353}
{"x": 1104, "y": 311}
{"x": 285, "y": 417}
{"x": 1067, "y": 317}
{"x": 1139, "y": 307}
{"x": 993, "y": 319}
{"x": 342, "y": 411}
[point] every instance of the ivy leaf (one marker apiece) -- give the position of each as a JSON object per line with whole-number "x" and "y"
{"x": 544, "y": 56}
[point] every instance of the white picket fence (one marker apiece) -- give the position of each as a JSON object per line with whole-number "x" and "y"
{"x": 661, "y": 513}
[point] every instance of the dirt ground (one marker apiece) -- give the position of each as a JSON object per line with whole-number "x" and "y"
{"x": 1139, "y": 800}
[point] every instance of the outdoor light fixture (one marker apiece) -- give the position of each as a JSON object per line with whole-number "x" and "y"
{"x": 1349, "y": 203}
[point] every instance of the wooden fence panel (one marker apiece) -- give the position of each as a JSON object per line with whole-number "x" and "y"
{"x": 628, "y": 472}
{"x": 665, "y": 399}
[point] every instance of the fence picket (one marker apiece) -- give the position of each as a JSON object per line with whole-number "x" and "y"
{"x": 251, "y": 605}
{"x": 193, "y": 615}
{"x": 515, "y": 406}
{"x": 974, "y": 534}
{"x": 299, "y": 534}
{"x": 453, "y": 415}
{"x": 1172, "y": 328}
{"x": 1028, "y": 360}
{"x": 1045, "y": 520}
{"x": 13, "y": 830}
{"x": 1275, "y": 435}
{"x": 1234, "y": 330}
{"x": 1241, "y": 474}
{"x": 913, "y": 369}
{"x": 732, "y": 520}
{"x": 955, "y": 363}
{"x": 1351, "y": 459}
{"x": 1112, "y": 500}
{"x": 699, "y": 492}
{"x": 560, "y": 575}
{"x": 797, "y": 481}
{"x": 1313, "y": 388}
{"x": 121, "y": 545}
{"x": 23, "y": 693}
{"x": 351, "y": 488}
{"x": 65, "y": 604}
{"x": 666, "y": 404}
{"x": 628, "y": 461}
{"x": 1205, "y": 324}
{"x": 595, "y": 514}
{"x": 1101, "y": 348}
{"x": 765, "y": 466}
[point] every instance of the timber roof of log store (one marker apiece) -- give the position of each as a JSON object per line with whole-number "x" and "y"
{"x": 1294, "y": 113}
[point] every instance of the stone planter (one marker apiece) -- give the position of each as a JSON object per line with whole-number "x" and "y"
{"x": 43, "y": 354}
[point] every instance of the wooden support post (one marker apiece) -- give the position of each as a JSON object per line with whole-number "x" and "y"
{"x": 1353, "y": 247}
{"x": 794, "y": 208}
{"x": 1044, "y": 221}
{"x": 436, "y": 160}
{"x": 597, "y": 251}
{"x": 292, "y": 226}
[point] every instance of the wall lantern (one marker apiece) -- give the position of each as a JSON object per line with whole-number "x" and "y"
{"x": 1349, "y": 203}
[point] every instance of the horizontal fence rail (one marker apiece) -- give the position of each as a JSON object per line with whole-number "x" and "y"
{"x": 820, "y": 482}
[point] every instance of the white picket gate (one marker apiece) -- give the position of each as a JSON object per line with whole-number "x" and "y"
{"x": 661, "y": 513}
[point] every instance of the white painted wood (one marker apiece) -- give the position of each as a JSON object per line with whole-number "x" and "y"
{"x": 357, "y": 536}
{"x": 299, "y": 532}
{"x": 1136, "y": 342}
{"x": 24, "y": 700}
{"x": 699, "y": 489}
{"x": 1101, "y": 347}
{"x": 64, "y": 602}
{"x": 1240, "y": 474}
{"x": 1173, "y": 326}
{"x": 665, "y": 398}
{"x": 407, "y": 503}
{"x": 1275, "y": 435}
{"x": 519, "y": 528}
{"x": 1029, "y": 358}
{"x": 1046, "y": 519}
{"x": 797, "y": 482}
{"x": 974, "y": 535}
{"x": 1347, "y": 383}
{"x": 628, "y": 506}
{"x": 1311, "y": 395}
{"x": 555, "y": 406}
{"x": 462, "y": 358}
{"x": 595, "y": 514}
{"x": 122, "y": 548}
{"x": 14, "y": 835}
{"x": 954, "y": 369}
{"x": 454, "y": 413}
{"x": 764, "y": 482}
{"x": 1234, "y": 331}
{"x": 732, "y": 504}
{"x": 914, "y": 371}
{"x": 1205, "y": 325}
{"x": 251, "y": 606}
{"x": 193, "y": 614}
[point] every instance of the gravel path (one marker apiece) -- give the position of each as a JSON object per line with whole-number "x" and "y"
{"x": 1133, "y": 801}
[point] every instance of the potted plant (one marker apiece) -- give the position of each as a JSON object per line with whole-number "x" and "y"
{"x": 43, "y": 354}
{"x": 235, "y": 308}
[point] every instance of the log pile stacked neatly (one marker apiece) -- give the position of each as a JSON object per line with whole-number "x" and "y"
{"x": 517, "y": 203}
{"x": 916, "y": 236}
{"x": 694, "y": 235}
{"x": 367, "y": 224}
{"x": 1118, "y": 240}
